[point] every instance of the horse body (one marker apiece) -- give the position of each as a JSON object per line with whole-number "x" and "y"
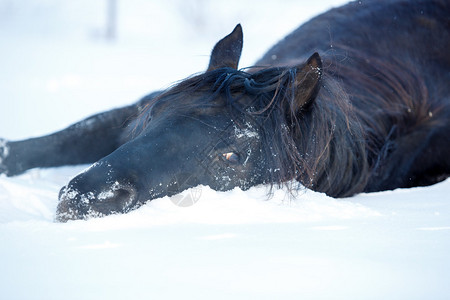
{"x": 368, "y": 111}
{"x": 392, "y": 61}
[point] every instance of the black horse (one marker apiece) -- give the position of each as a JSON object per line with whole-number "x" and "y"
{"x": 369, "y": 110}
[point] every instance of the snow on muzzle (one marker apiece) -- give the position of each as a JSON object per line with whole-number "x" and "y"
{"x": 96, "y": 193}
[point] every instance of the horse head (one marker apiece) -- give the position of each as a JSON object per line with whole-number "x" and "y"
{"x": 223, "y": 128}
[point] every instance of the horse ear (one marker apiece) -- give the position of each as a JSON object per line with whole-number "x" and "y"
{"x": 227, "y": 51}
{"x": 307, "y": 83}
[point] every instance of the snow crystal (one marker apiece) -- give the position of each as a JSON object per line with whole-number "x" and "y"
{"x": 70, "y": 193}
{"x": 248, "y": 132}
{"x": 249, "y": 153}
{"x": 105, "y": 195}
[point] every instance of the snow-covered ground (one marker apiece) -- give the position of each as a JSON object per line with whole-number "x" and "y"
{"x": 56, "y": 69}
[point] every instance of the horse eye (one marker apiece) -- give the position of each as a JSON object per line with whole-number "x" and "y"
{"x": 231, "y": 157}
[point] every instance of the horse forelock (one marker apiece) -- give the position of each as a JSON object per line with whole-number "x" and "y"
{"x": 225, "y": 87}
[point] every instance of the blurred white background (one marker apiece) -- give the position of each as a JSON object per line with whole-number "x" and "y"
{"x": 57, "y": 64}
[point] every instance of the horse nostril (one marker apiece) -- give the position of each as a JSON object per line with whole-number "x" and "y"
{"x": 125, "y": 197}
{"x": 122, "y": 194}
{"x": 122, "y": 198}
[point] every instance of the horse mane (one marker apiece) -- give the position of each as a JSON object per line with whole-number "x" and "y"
{"x": 390, "y": 98}
{"x": 335, "y": 145}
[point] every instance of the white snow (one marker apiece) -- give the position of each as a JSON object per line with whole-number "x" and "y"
{"x": 247, "y": 132}
{"x": 227, "y": 245}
